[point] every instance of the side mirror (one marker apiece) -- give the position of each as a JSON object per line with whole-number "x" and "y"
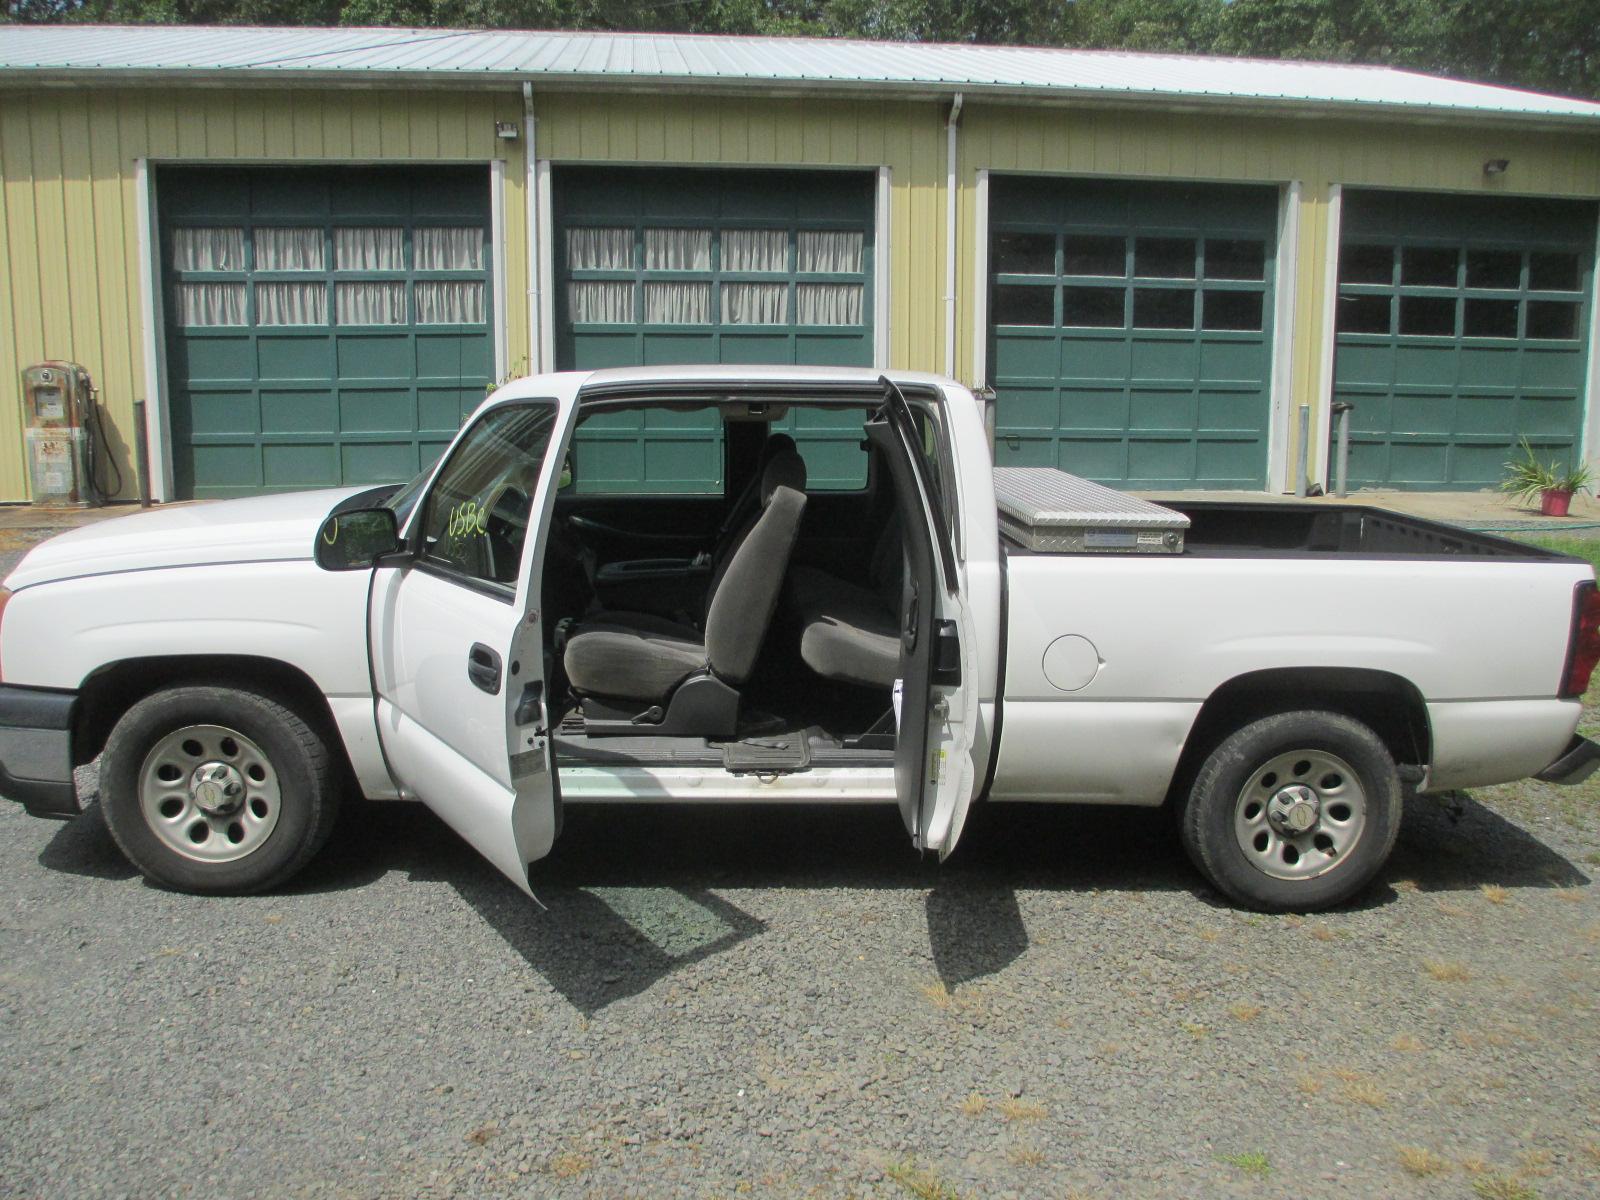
{"x": 353, "y": 541}
{"x": 569, "y": 473}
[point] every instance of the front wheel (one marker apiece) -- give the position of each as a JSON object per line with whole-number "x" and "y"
{"x": 1294, "y": 812}
{"x": 217, "y": 790}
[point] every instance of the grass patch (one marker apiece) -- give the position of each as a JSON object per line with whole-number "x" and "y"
{"x": 1194, "y": 1029}
{"x": 1420, "y": 1161}
{"x": 1495, "y": 1186}
{"x": 569, "y": 1166}
{"x": 1244, "y": 1012}
{"x": 1495, "y": 894}
{"x": 1587, "y": 549}
{"x": 1251, "y": 1162}
{"x": 1027, "y": 1156}
{"x": 1021, "y": 1110}
{"x": 924, "y": 1185}
{"x": 974, "y": 1105}
{"x": 1446, "y": 970}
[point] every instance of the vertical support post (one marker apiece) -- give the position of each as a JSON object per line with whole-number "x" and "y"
{"x": 1305, "y": 451}
{"x": 1342, "y": 410}
{"x": 141, "y": 452}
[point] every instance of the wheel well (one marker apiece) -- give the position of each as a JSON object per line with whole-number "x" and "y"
{"x": 112, "y": 690}
{"x": 1389, "y": 705}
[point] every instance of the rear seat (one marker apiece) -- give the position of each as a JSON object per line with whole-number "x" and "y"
{"x": 848, "y": 631}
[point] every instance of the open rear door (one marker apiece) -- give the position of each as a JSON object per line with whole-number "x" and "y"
{"x": 935, "y": 776}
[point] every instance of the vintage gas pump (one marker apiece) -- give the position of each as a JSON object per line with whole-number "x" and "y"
{"x": 58, "y": 401}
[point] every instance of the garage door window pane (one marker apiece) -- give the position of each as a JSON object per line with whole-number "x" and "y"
{"x": 755, "y": 250}
{"x": 1094, "y": 256}
{"x": 1499, "y": 269}
{"x": 289, "y": 250}
{"x": 830, "y": 252}
{"x": 1427, "y": 266}
{"x": 1553, "y": 272}
{"x": 1021, "y": 305}
{"x": 1236, "y": 260}
{"x": 1231, "y": 310}
{"x": 1025, "y": 253}
{"x": 369, "y": 248}
{"x": 676, "y": 250}
{"x": 600, "y": 303}
{"x": 201, "y": 304}
{"x": 1552, "y": 320}
{"x": 755, "y": 304}
{"x": 1490, "y": 318}
{"x": 449, "y": 248}
{"x": 1364, "y": 314}
{"x": 291, "y": 304}
{"x": 677, "y": 303}
{"x": 449, "y": 302}
{"x": 827, "y": 303}
{"x": 1427, "y": 316}
{"x": 600, "y": 250}
{"x": 1164, "y": 258}
{"x": 1163, "y": 308}
{"x": 1091, "y": 307}
{"x": 208, "y": 249}
{"x": 370, "y": 303}
{"x": 1366, "y": 264}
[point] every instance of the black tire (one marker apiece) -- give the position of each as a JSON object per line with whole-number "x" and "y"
{"x": 1219, "y": 799}
{"x": 306, "y": 775}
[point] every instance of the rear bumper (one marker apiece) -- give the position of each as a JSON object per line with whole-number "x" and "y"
{"x": 36, "y": 750}
{"x": 1577, "y": 762}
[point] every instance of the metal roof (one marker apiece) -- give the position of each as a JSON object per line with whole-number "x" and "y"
{"x": 108, "y": 54}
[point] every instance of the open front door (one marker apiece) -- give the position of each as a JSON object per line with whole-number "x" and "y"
{"x": 935, "y": 776}
{"x": 457, "y": 642}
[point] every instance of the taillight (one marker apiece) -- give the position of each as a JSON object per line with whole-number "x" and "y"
{"x": 1583, "y": 650}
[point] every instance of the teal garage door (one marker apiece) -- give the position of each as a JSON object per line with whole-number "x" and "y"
{"x": 658, "y": 267}
{"x": 323, "y": 327}
{"x": 1462, "y": 328}
{"x": 1130, "y": 335}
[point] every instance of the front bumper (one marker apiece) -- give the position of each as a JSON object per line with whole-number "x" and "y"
{"x": 1577, "y": 762}
{"x": 36, "y": 750}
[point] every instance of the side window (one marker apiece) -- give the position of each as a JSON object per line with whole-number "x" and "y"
{"x": 475, "y": 521}
{"x": 659, "y": 450}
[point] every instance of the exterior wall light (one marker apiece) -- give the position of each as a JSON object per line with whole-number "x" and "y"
{"x": 1496, "y": 166}
{"x": 507, "y": 131}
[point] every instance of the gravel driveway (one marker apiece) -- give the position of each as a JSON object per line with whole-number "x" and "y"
{"x": 734, "y": 1002}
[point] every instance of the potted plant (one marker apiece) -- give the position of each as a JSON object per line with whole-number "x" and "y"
{"x": 1530, "y": 480}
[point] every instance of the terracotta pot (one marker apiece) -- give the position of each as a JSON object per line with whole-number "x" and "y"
{"x": 1554, "y": 502}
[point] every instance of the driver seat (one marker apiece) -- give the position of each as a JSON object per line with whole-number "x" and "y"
{"x": 620, "y": 657}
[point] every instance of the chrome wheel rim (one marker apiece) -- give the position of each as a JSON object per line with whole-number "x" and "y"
{"x": 1300, "y": 814}
{"x": 209, "y": 793}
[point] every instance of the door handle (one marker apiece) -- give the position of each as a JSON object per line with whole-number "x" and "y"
{"x": 483, "y": 668}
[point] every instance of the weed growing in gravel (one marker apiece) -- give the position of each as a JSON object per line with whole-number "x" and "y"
{"x": 1027, "y": 1156}
{"x": 1194, "y": 1030}
{"x": 1446, "y": 971}
{"x": 974, "y": 1104}
{"x": 939, "y": 996}
{"x": 1419, "y": 1160}
{"x": 1012, "y": 1109}
{"x": 1472, "y": 1164}
{"x": 1451, "y": 910}
{"x": 924, "y": 1185}
{"x": 1570, "y": 895}
{"x": 1251, "y": 1162}
{"x": 1362, "y": 1089}
{"x": 1326, "y": 933}
{"x": 1244, "y": 1012}
{"x": 1495, "y": 1186}
{"x": 1536, "y": 1163}
{"x": 1495, "y": 894}
{"x": 1404, "y": 1043}
{"x": 1309, "y": 1084}
{"x": 569, "y": 1166}
{"x": 1405, "y": 885}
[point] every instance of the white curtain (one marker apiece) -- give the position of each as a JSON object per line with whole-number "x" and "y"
{"x": 449, "y": 302}
{"x": 755, "y": 304}
{"x": 377, "y": 303}
{"x": 288, "y": 249}
{"x": 600, "y": 303}
{"x": 449, "y": 248}
{"x": 600, "y": 249}
{"x": 210, "y": 304}
{"x": 208, "y": 249}
{"x": 368, "y": 248}
{"x": 291, "y": 304}
{"x": 677, "y": 249}
{"x": 827, "y": 303}
{"x": 677, "y": 303}
{"x": 755, "y": 250}
{"x": 830, "y": 251}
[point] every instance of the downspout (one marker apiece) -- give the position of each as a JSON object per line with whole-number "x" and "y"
{"x": 530, "y": 192}
{"x": 950, "y": 236}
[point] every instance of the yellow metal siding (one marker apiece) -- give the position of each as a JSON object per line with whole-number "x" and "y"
{"x": 70, "y": 278}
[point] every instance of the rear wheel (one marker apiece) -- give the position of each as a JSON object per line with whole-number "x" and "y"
{"x": 217, "y": 790}
{"x": 1294, "y": 812}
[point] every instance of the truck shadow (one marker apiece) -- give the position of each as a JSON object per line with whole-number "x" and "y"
{"x": 634, "y": 894}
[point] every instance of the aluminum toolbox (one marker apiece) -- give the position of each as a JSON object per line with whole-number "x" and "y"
{"x": 1051, "y": 512}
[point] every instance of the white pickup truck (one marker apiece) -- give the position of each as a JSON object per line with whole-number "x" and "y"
{"x": 493, "y": 639}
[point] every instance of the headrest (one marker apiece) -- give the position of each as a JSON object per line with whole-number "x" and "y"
{"x": 784, "y": 469}
{"x": 775, "y": 444}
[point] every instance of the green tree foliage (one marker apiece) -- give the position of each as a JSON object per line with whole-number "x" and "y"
{"x": 1551, "y": 45}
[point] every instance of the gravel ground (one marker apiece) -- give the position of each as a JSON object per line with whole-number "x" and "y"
{"x": 788, "y": 1003}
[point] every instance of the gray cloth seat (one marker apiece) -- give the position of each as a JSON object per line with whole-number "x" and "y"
{"x": 848, "y": 631}
{"x": 639, "y": 657}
